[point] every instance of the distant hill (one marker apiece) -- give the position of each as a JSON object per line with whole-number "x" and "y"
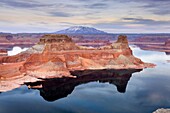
{"x": 80, "y": 30}
{"x": 2, "y": 33}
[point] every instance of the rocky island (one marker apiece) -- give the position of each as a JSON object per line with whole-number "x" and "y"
{"x": 55, "y": 56}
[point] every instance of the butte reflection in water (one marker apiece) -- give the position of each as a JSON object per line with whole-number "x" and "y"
{"x": 54, "y": 89}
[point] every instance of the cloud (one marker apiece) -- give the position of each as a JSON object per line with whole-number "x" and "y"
{"x": 104, "y": 14}
{"x": 22, "y": 4}
{"x": 134, "y": 25}
{"x": 146, "y": 21}
{"x": 157, "y": 7}
{"x": 124, "y": 22}
{"x": 96, "y": 6}
{"x": 61, "y": 14}
{"x": 110, "y": 25}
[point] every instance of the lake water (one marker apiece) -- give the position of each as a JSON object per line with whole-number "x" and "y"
{"x": 107, "y": 91}
{"x": 15, "y": 50}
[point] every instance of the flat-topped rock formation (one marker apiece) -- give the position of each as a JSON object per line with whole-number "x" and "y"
{"x": 52, "y": 38}
{"x": 161, "y": 44}
{"x": 56, "y": 55}
{"x": 161, "y": 47}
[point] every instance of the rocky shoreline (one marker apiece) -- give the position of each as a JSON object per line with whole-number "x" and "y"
{"x": 162, "y": 110}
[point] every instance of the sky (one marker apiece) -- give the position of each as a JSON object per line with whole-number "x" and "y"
{"x": 113, "y": 16}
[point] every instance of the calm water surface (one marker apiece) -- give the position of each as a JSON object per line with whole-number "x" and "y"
{"x": 109, "y": 91}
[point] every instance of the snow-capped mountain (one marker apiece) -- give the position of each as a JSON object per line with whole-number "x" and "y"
{"x": 80, "y": 30}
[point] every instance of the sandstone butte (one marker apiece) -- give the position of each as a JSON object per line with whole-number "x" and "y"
{"x": 56, "y": 55}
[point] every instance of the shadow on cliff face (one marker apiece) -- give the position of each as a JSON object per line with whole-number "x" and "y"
{"x": 53, "y": 89}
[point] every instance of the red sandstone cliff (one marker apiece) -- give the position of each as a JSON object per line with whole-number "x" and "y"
{"x": 3, "y": 52}
{"x": 165, "y": 47}
{"x": 57, "y": 55}
{"x": 167, "y": 43}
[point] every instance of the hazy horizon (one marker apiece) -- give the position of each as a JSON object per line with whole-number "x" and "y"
{"x": 118, "y": 16}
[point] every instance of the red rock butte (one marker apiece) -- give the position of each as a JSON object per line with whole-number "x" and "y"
{"x": 56, "y": 55}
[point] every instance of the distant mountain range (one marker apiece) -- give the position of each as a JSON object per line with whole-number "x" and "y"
{"x": 80, "y": 30}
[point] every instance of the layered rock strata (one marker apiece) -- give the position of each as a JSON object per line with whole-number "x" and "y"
{"x": 3, "y": 52}
{"x": 163, "y": 47}
{"x": 57, "y": 55}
